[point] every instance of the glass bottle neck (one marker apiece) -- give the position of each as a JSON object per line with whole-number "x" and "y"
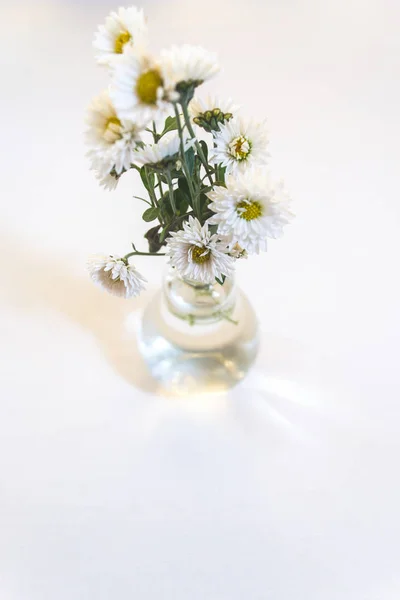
{"x": 195, "y": 301}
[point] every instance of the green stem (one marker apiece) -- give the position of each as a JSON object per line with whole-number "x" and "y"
{"x": 171, "y": 190}
{"x": 156, "y": 137}
{"x": 184, "y": 163}
{"x": 150, "y": 190}
{"x": 143, "y": 199}
{"x": 193, "y": 135}
{"x": 226, "y": 316}
{"x": 160, "y": 185}
{"x": 153, "y": 197}
{"x": 136, "y": 253}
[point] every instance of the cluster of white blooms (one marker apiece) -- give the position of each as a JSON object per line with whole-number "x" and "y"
{"x": 220, "y": 203}
{"x": 142, "y": 89}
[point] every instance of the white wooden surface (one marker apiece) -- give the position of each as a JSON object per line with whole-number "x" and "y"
{"x": 286, "y": 488}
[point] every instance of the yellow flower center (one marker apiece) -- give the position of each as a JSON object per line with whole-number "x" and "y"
{"x": 249, "y": 210}
{"x": 112, "y": 129}
{"x": 240, "y": 148}
{"x": 147, "y": 86}
{"x": 113, "y": 121}
{"x": 200, "y": 255}
{"x": 123, "y": 38}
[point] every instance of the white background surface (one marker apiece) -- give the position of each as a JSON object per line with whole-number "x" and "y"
{"x": 286, "y": 488}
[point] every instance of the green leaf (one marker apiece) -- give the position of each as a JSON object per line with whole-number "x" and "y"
{"x": 181, "y": 202}
{"x": 190, "y": 160}
{"x": 151, "y": 214}
{"x": 175, "y": 174}
{"x": 147, "y": 178}
{"x": 166, "y": 208}
{"x": 153, "y": 239}
{"x": 170, "y": 125}
{"x": 220, "y": 281}
{"x": 163, "y": 234}
{"x": 204, "y": 202}
{"x": 206, "y": 189}
{"x": 184, "y": 187}
{"x": 143, "y": 177}
{"x": 204, "y": 147}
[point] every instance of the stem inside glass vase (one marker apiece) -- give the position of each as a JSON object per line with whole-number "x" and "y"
{"x": 198, "y": 338}
{"x": 197, "y": 302}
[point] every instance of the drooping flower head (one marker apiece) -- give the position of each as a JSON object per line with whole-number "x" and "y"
{"x": 137, "y": 89}
{"x": 109, "y": 138}
{"x": 186, "y": 67}
{"x": 239, "y": 144}
{"x": 162, "y": 154}
{"x": 102, "y": 163}
{"x": 250, "y": 209}
{"x": 122, "y": 30}
{"x": 212, "y": 112}
{"x": 116, "y": 275}
{"x": 197, "y": 254}
{"x": 109, "y": 181}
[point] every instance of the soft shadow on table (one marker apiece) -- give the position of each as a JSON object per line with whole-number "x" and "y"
{"x": 278, "y": 390}
{"x": 33, "y": 280}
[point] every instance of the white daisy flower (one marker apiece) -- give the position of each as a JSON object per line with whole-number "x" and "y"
{"x": 109, "y": 182}
{"x": 102, "y": 163}
{"x": 108, "y": 134}
{"x": 237, "y": 251}
{"x": 197, "y": 254}
{"x": 239, "y": 144}
{"x": 137, "y": 89}
{"x": 115, "y": 275}
{"x": 123, "y": 29}
{"x": 162, "y": 153}
{"x": 186, "y": 66}
{"x": 250, "y": 209}
{"x": 212, "y": 112}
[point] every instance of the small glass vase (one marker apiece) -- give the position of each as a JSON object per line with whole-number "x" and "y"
{"x": 198, "y": 338}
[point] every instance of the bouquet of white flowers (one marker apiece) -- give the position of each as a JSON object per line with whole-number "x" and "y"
{"x": 213, "y": 203}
